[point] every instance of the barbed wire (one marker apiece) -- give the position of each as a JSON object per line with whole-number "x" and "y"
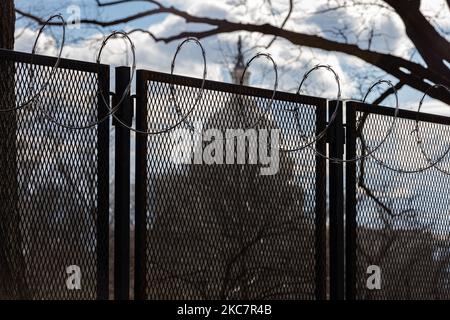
{"x": 172, "y": 89}
{"x": 111, "y": 110}
{"x": 419, "y": 142}
{"x": 360, "y": 125}
{"x": 184, "y": 117}
{"x": 36, "y": 94}
{"x": 417, "y": 129}
{"x": 321, "y": 134}
{"x": 241, "y": 83}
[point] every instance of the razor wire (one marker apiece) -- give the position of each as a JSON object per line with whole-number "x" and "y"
{"x": 184, "y": 117}
{"x": 321, "y": 134}
{"x": 359, "y": 121}
{"x": 35, "y": 95}
{"x": 197, "y": 100}
{"x": 430, "y": 163}
{"x": 417, "y": 130}
{"x": 111, "y": 110}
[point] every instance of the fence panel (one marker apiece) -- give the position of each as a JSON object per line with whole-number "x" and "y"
{"x": 226, "y": 231}
{"x": 54, "y": 181}
{"x": 397, "y": 212}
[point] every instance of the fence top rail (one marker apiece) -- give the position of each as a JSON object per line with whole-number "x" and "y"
{"x": 24, "y": 57}
{"x": 402, "y": 113}
{"x": 147, "y": 75}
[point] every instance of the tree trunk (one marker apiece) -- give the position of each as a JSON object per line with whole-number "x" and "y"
{"x": 7, "y": 24}
{"x": 12, "y": 264}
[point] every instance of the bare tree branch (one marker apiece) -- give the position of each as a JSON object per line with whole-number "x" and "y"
{"x": 291, "y": 8}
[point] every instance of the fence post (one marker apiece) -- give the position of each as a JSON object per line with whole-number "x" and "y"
{"x": 336, "y": 203}
{"x": 140, "y": 232}
{"x": 321, "y": 205}
{"x": 350, "y": 203}
{"x": 122, "y": 188}
{"x": 103, "y": 187}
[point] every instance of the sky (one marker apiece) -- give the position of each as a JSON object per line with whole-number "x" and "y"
{"x": 292, "y": 61}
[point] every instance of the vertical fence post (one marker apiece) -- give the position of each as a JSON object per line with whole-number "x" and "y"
{"x": 350, "y": 203}
{"x": 103, "y": 187}
{"x": 321, "y": 204}
{"x": 141, "y": 188}
{"x": 122, "y": 188}
{"x": 336, "y": 203}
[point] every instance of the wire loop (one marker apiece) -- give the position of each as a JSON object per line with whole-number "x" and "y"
{"x": 321, "y": 134}
{"x": 37, "y": 93}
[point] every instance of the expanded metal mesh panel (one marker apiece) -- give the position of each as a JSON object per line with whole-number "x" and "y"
{"x": 225, "y": 231}
{"x": 403, "y": 221}
{"x": 50, "y": 178}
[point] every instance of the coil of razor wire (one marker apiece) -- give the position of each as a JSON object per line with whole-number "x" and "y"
{"x": 111, "y": 110}
{"x": 430, "y": 163}
{"x": 268, "y": 106}
{"x": 361, "y": 125}
{"x": 321, "y": 134}
{"x": 36, "y": 94}
{"x": 197, "y": 101}
{"x": 419, "y": 137}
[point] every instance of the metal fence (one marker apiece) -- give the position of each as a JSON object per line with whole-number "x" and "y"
{"x": 208, "y": 231}
{"x": 398, "y": 205}
{"x": 53, "y": 182}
